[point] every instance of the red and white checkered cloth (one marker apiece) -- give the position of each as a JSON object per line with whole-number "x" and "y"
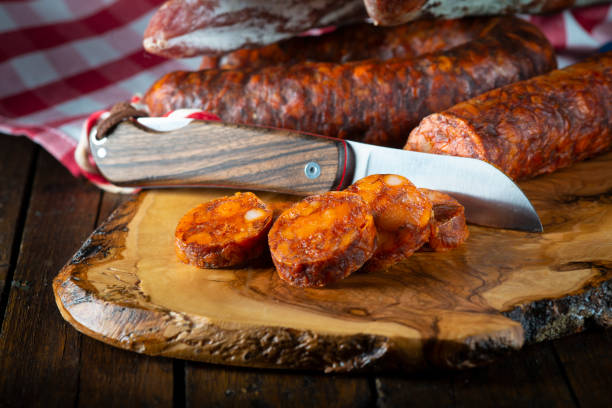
{"x": 61, "y": 60}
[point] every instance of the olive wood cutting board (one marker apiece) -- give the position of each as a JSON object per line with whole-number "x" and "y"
{"x": 498, "y": 291}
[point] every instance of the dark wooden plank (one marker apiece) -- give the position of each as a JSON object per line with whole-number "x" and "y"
{"x": 39, "y": 352}
{"x": 530, "y": 377}
{"x": 422, "y": 390}
{"x": 587, "y": 362}
{"x": 116, "y": 377}
{"x": 16, "y": 158}
{"x": 216, "y": 386}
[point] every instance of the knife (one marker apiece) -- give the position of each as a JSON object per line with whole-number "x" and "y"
{"x": 186, "y": 152}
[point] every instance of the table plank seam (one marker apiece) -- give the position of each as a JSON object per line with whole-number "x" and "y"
{"x": 179, "y": 385}
{"x": 565, "y": 376}
{"x": 18, "y": 235}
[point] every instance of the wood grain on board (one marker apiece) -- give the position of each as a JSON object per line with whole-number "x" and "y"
{"x": 456, "y": 309}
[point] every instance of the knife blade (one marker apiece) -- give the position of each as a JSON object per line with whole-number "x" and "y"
{"x": 186, "y": 152}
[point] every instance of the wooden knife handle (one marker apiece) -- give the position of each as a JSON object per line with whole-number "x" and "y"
{"x": 217, "y": 154}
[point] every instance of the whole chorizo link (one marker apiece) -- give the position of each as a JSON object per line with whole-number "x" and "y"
{"x": 392, "y": 12}
{"x": 357, "y": 42}
{"x": 377, "y": 102}
{"x": 530, "y": 127}
{"x": 184, "y": 28}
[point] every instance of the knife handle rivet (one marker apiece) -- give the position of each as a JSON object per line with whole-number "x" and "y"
{"x": 312, "y": 170}
{"x": 101, "y": 152}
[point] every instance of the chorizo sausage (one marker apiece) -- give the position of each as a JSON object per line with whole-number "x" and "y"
{"x": 392, "y": 12}
{"x": 530, "y": 127}
{"x": 402, "y": 216}
{"x": 225, "y": 232}
{"x": 322, "y": 239}
{"x": 185, "y": 28}
{"x": 357, "y": 42}
{"x": 448, "y": 227}
{"x": 377, "y": 102}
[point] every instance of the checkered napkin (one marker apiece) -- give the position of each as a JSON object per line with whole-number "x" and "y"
{"x": 62, "y": 60}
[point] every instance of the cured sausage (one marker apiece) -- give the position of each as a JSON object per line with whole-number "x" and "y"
{"x": 402, "y": 216}
{"x": 357, "y": 42}
{"x": 530, "y": 127}
{"x": 322, "y": 239}
{"x": 185, "y": 28}
{"x": 391, "y": 12}
{"x": 373, "y": 101}
{"x": 448, "y": 228}
{"x": 225, "y": 232}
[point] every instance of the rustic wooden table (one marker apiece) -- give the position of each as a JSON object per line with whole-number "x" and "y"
{"x": 45, "y": 215}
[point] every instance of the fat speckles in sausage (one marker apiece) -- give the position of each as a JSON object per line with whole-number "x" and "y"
{"x": 530, "y": 127}
{"x": 322, "y": 239}
{"x": 401, "y": 214}
{"x": 225, "y": 232}
{"x": 373, "y": 101}
{"x": 448, "y": 228}
{"x": 357, "y": 42}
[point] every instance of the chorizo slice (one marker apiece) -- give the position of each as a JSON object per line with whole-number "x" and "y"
{"x": 402, "y": 216}
{"x": 345, "y": 100}
{"x": 448, "y": 227}
{"x": 322, "y": 239}
{"x": 357, "y": 42}
{"x": 530, "y": 127}
{"x": 225, "y": 232}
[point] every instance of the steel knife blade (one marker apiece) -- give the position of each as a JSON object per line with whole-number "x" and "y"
{"x": 186, "y": 152}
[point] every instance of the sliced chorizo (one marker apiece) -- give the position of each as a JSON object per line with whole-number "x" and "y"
{"x": 357, "y": 42}
{"x": 530, "y": 127}
{"x": 373, "y": 101}
{"x": 402, "y": 216}
{"x": 225, "y": 232}
{"x": 448, "y": 227}
{"x": 322, "y": 239}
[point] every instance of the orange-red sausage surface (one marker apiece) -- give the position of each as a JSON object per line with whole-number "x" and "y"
{"x": 530, "y": 127}
{"x": 374, "y": 101}
{"x": 448, "y": 228}
{"x": 225, "y": 232}
{"x": 322, "y": 239}
{"x": 402, "y": 215}
{"x": 357, "y": 42}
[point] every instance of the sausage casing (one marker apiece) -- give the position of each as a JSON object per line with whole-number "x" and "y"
{"x": 530, "y": 127}
{"x": 357, "y": 42}
{"x": 322, "y": 239}
{"x": 377, "y": 102}
{"x": 391, "y": 12}
{"x": 402, "y": 216}
{"x": 448, "y": 227}
{"x": 225, "y": 232}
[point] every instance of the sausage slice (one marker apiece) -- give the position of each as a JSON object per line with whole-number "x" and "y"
{"x": 448, "y": 228}
{"x": 322, "y": 239}
{"x": 401, "y": 214}
{"x": 225, "y": 232}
